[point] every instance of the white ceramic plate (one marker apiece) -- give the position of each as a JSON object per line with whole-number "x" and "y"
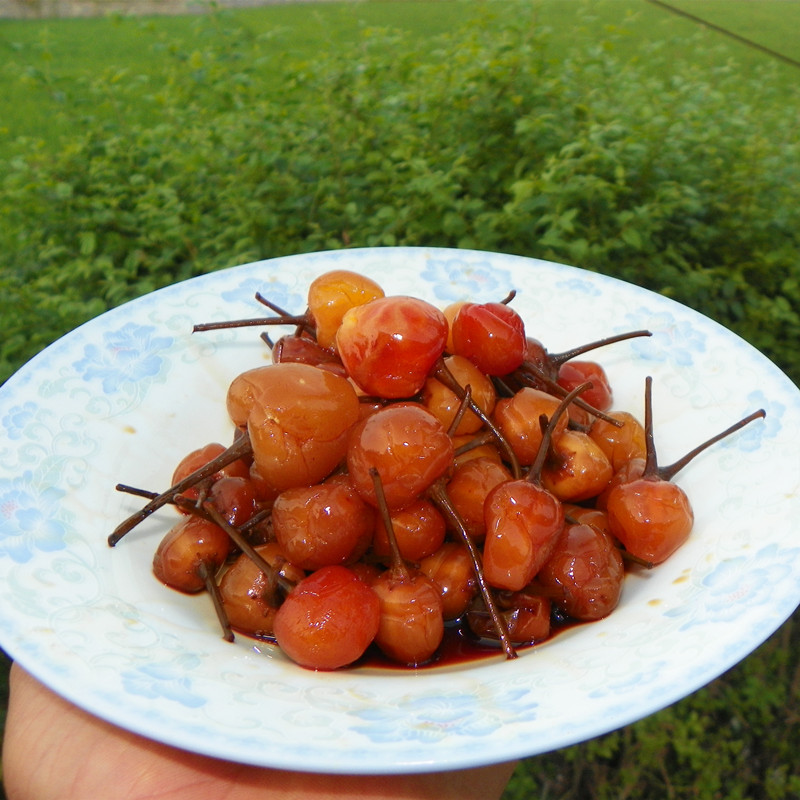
{"x": 125, "y": 396}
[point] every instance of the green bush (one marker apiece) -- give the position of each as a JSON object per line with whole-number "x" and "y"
{"x": 644, "y": 169}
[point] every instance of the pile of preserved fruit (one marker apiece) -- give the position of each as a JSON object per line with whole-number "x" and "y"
{"x": 401, "y": 475}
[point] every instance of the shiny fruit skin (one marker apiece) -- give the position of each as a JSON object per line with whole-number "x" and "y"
{"x": 408, "y": 447}
{"x": 450, "y": 311}
{"x": 536, "y": 355}
{"x": 517, "y": 418}
{"x": 523, "y": 522}
{"x": 573, "y": 373}
{"x": 298, "y": 418}
{"x": 246, "y": 593}
{"x": 198, "y": 458}
{"x": 235, "y": 498}
{"x": 620, "y": 444}
{"x": 584, "y": 574}
{"x": 188, "y": 544}
{"x": 328, "y": 620}
{"x": 283, "y": 388}
{"x": 652, "y": 518}
{"x": 526, "y": 615}
{"x": 419, "y": 529}
{"x": 389, "y": 346}
{"x": 468, "y": 452}
{"x": 302, "y": 350}
{"x": 443, "y": 403}
{"x": 321, "y": 525}
{"x": 577, "y": 469}
{"x": 411, "y": 626}
{"x": 334, "y": 293}
{"x": 593, "y": 517}
{"x": 469, "y": 486}
{"x": 491, "y": 335}
{"x": 451, "y": 569}
{"x": 630, "y": 471}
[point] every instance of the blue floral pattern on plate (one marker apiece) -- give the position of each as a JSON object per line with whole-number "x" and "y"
{"x": 129, "y": 355}
{"x": 123, "y": 397}
{"x": 431, "y": 718}
{"x": 676, "y": 341}
{"x": 29, "y": 520}
{"x": 162, "y": 682}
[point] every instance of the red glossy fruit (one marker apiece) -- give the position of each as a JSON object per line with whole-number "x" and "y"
{"x": 190, "y": 543}
{"x": 525, "y": 613}
{"x": 408, "y": 447}
{"x": 303, "y": 350}
{"x": 652, "y": 519}
{"x": 419, "y": 529}
{"x": 468, "y": 488}
{"x": 199, "y": 458}
{"x": 523, "y": 522}
{"x": 517, "y": 418}
{"x": 491, "y": 335}
{"x": 249, "y": 597}
{"x": 328, "y": 620}
{"x": 389, "y": 346}
{"x": 443, "y": 403}
{"x": 574, "y": 373}
{"x": 576, "y": 468}
{"x": 451, "y": 569}
{"x": 321, "y": 525}
{"x": 620, "y": 443}
{"x": 584, "y": 574}
{"x": 235, "y": 498}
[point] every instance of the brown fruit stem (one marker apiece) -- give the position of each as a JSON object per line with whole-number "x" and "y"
{"x": 443, "y": 374}
{"x": 189, "y": 506}
{"x": 668, "y": 473}
{"x": 463, "y": 407}
{"x": 398, "y": 568}
{"x": 480, "y": 439}
{"x": 265, "y": 301}
{"x": 211, "y": 586}
{"x": 250, "y": 323}
{"x": 438, "y": 494}
{"x": 530, "y": 373}
{"x": 135, "y": 491}
{"x": 561, "y": 358}
{"x": 548, "y": 426}
{"x": 308, "y": 321}
{"x": 652, "y": 471}
{"x": 273, "y": 575}
{"x": 240, "y": 447}
{"x": 630, "y": 558}
{"x": 651, "y": 457}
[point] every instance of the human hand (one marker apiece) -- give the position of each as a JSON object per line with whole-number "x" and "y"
{"x": 53, "y": 750}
